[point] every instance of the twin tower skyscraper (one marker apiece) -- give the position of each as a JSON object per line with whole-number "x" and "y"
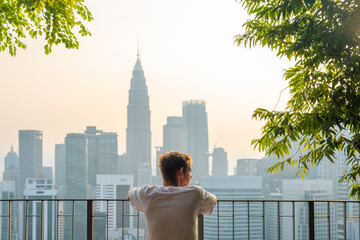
{"x": 190, "y": 132}
{"x": 138, "y": 133}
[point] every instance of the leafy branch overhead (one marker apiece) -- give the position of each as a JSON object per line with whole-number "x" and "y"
{"x": 55, "y": 20}
{"x": 323, "y": 114}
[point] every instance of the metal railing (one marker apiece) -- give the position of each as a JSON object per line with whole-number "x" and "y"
{"x": 231, "y": 219}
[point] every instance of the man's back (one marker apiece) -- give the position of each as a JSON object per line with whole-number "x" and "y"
{"x": 171, "y": 212}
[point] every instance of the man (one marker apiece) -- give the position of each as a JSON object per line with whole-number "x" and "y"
{"x": 171, "y": 210}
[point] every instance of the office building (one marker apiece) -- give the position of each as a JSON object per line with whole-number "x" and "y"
{"x": 248, "y": 167}
{"x": 60, "y": 167}
{"x": 11, "y": 170}
{"x": 297, "y": 189}
{"x": 272, "y": 209}
{"x": 102, "y": 153}
{"x": 76, "y": 181}
{"x": 41, "y": 188}
{"x": 174, "y": 138}
{"x": 219, "y": 162}
{"x": 233, "y": 188}
{"x": 138, "y": 134}
{"x": 11, "y": 159}
{"x": 121, "y": 163}
{"x": 7, "y": 191}
{"x": 330, "y": 171}
{"x": 144, "y": 174}
{"x": 30, "y": 156}
{"x": 47, "y": 172}
{"x": 195, "y": 119}
{"x": 175, "y": 135}
{"x": 75, "y": 165}
{"x": 114, "y": 187}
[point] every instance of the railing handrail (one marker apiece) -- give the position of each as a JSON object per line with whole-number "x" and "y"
{"x": 219, "y": 200}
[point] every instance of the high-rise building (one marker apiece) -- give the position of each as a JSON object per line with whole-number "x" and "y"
{"x": 11, "y": 169}
{"x": 174, "y": 138}
{"x": 138, "y": 133}
{"x": 7, "y": 192}
{"x": 30, "y": 156}
{"x": 11, "y": 159}
{"x": 296, "y": 189}
{"x": 248, "y": 167}
{"x": 12, "y": 174}
{"x": 47, "y": 172}
{"x": 144, "y": 174}
{"x": 76, "y": 181}
{"x": 195, "y": 119}
{"x": 60, "y": 168}
{"x": 175, "y": 135}
{"x": 272, "y": 223}
{"x": 114, "y": 187}
{"x": 102, "y": 153}
{"x": 121, "y": 163}
{"x": 330, "y": 171}
{"x": 41, "y": 188}
{"x": 219, "y": 162}
{"x": 220, "y": 224}
{"x": 76, "y": 165}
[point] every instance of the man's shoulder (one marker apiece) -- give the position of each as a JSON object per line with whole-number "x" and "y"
{"x": 148, "y": 190}
{"x": 199, "y": 189}
{"x": 143, "y": 189}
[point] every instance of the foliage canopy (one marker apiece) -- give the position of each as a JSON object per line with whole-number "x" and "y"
{"x": 56, "y": 19}
{"x": 323, "y": 113}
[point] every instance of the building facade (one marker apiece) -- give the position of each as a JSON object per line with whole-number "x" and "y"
{"x": 114, "y": 187}
{"x": 60, "y": 167}
{"x": 248, "y": 167}
{"x": 219, "y": 162}
{"x": 76, "y": 183}
{"x": 11, "y": 159}
{"x": 196, "y": 122}
{"x": 175, "y": 135}
{"x": 30, "y": 156}
{"x": 297, "y": 189}
{"x": 102, "y": 153}
{"x": 41, "y": 188}
{"x": 7, "y": 191}
{"x": 11, "y": 170}
{"x": 235, "y": 222}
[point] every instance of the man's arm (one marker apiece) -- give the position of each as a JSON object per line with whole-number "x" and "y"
{"x": 207, "y": 203}
{"x": 134, "y": 197}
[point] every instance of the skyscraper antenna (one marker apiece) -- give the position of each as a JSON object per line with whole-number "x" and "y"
{"x": 138, "y": 50}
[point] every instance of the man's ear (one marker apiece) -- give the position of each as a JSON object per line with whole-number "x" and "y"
{"x": 180, "y": 172}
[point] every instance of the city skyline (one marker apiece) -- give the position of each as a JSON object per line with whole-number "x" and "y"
{"x": 185, "y": 57}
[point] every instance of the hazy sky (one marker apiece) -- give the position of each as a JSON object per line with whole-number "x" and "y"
{"x": 187, "y": 52}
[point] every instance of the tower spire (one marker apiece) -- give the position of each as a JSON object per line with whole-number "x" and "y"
{"x": 138, "y": 51}
{"x": 138, "y": 48}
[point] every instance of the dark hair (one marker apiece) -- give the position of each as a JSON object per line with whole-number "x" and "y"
{"x": 171, "y": 162}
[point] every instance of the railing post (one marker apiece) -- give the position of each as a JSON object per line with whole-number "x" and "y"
{"x": 42, "y": 219}
{"x": 311, "y": 220}
{"x": 89, "y": 219}
{"x": 201, "y": 227}
{"x": 10, "y": 212}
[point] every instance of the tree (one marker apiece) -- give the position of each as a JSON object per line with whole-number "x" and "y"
{"x": 323, "y": 113}
{"x": 56, "y": 19}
